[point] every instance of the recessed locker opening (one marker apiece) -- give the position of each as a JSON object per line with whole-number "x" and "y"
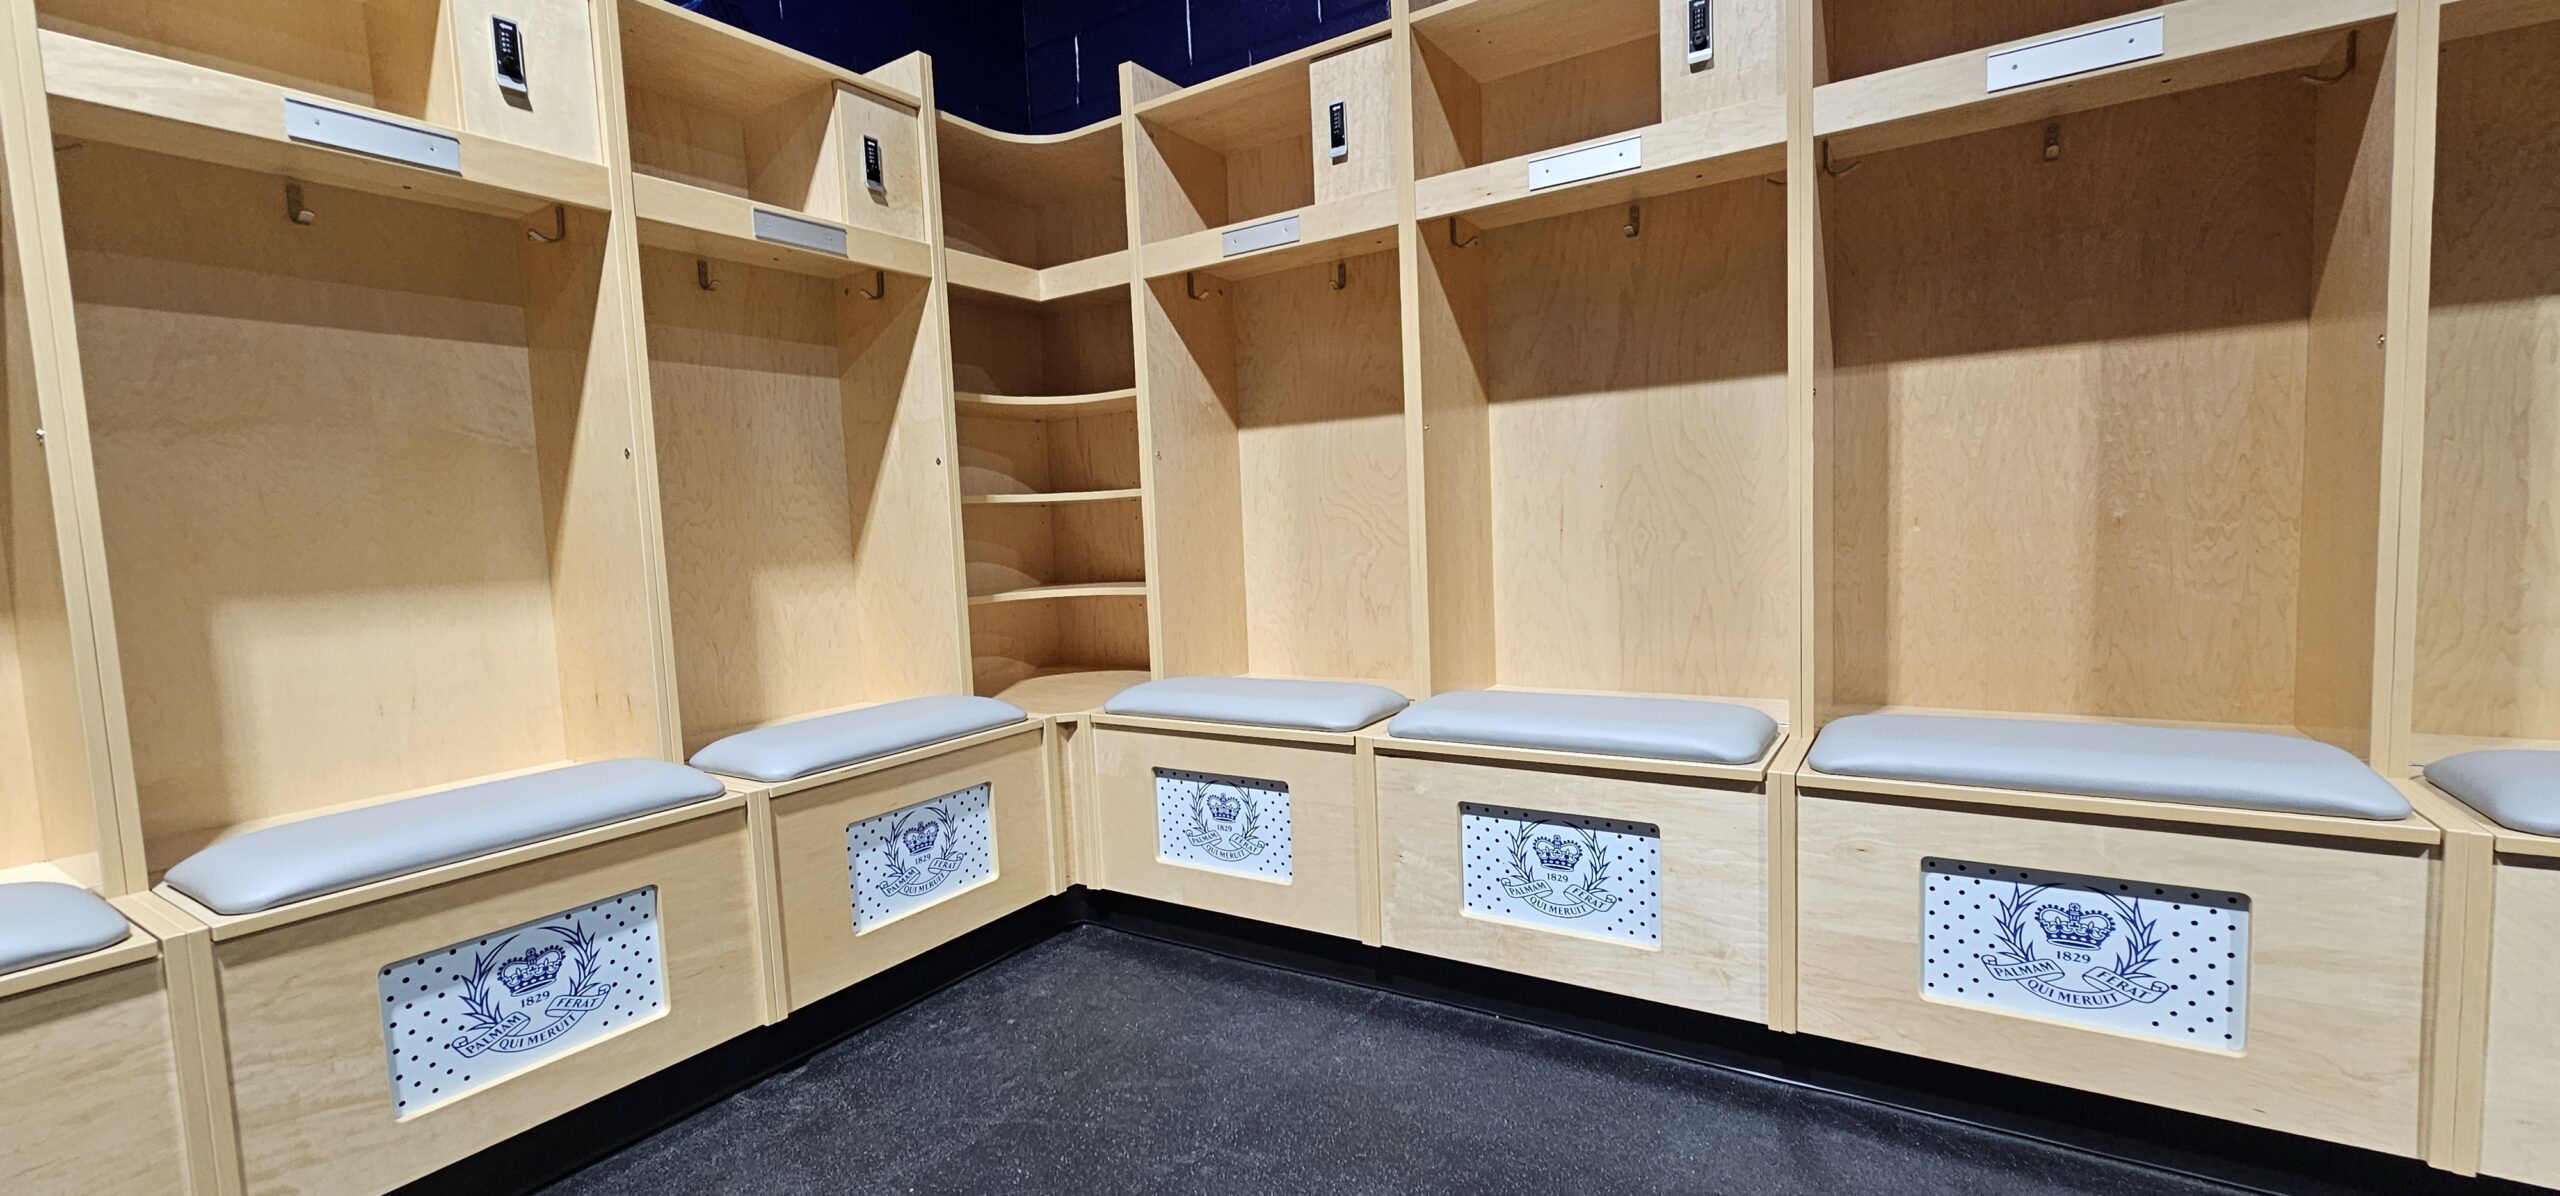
{"x": 1036, "y": 202}
{"x": 711, "y": 108}
{"x": 806, "y": 500}
{"x": 365, "y": 524}
{"x": 2101, "y": 407}
{"x": 1495, "y": 79}
{"x": 1264, "y": 142}
{"x": 1864, "y": 37}
{"x": 48, "y": 825}
{"x": 1276, "y": 404}
{"x": 2488, "y": 614}
{"x": 1606, "y": 451}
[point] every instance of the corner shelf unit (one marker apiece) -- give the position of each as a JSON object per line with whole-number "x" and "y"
{"x": 1045, "y": 395}
{"x": 2102, "y": 404}
{"x": 743, "y": 148}
{"x": 1034, "y": 218}
{"x": 2488, "y": 593}
{"x": 398, "y": 97}
{"x": 1237, "y": 176}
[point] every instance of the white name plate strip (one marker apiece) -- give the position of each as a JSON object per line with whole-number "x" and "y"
{"x": 2077, "y": 54}
{"x": 1563, "y": 872}
{"x": 2150, "y": 960}
{"x": 800, "y": 232}
{"x": 1589, "y": 162}
{"x": 463, "y": 1018}
{"x": 1224, "y": 824}
{"x": 372, "y": 136}
{"x": 1270, "y": 234}
{"x": 925, "y": 854}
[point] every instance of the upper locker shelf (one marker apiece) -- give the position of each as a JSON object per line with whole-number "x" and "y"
{"x": 362, "y": 95}
{"x": 747, "y": 150}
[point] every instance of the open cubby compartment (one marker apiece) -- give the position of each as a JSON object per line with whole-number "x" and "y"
{"x": 364, "y": 493}
{"x": 729, "y": 113}
{"x": 2488, "y": 586}
{"x": 1033, "y": 201}
{"x": 804, "y": 477}
{"x": 2101, "y": 408}
{"x": 431, "y": 61}
{"x": 1866, "y": 37}
{"x": 1067, "y": 358}
{"x": 1060, "y": 656}
{"x": 1276, "y": 413}
{"x": 1258, "y": 144}
{"x": 1605, "y": 451}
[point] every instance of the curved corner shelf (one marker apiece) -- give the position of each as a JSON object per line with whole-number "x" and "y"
{"x": 1088, "y": 589}
{"x": 1108, "y": 402}
{"x": 1060, "y": 498}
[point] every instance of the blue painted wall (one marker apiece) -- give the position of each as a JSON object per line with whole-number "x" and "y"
{"x": 1044, "y": 66}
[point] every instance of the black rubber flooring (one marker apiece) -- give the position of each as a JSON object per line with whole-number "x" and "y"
{"x": 1101, "y": 1062}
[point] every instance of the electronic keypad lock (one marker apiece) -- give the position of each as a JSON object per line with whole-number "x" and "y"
{"x": 1341, "y": 145}
{"x": 509, "y": 41}
{"x": 1702, "y": 34}
{"x": 871, "y": 176}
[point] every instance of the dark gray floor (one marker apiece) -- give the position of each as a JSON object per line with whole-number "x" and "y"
{"x": 1100, "y": 1062}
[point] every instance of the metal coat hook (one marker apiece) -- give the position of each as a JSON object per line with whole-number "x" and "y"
{"x": 2053, "y": 142}
{"x": 1341, "y": 276}
{"x": 702, "y": 275}
{"x": 293, "y": 209}
{"x": 559, "y": 227}
{"x": 1635, "y": 220}
{"x": 879, "y": 286}
{"x": 1469, "y": 243}
{"x": 1838, "y": 171}
{"x": 2318, "y": 80}
{"x": 1191, "y": 285}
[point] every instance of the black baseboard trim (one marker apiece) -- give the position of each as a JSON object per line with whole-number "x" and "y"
{"x": 2204, "y": 1147}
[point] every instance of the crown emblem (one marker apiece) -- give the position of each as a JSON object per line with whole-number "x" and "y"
{"x": 532, "y": 970}
{"x": 1558, "y": 852}
{"x": 2073, "y": 926}
{"x": 1225, "y": 807}
{"x": 921, "y": 837}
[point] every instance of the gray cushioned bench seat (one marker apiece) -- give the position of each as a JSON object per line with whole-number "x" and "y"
{"x": 42, "y": 922}
{"x": 2517, "y": 789}
{"x": 2240, "y": 769}
{"x": 1260, "y": 702}
{"x": 316, "y": 856}
{"x": 802, "y": 747}
{"x": 1602, "y": 724}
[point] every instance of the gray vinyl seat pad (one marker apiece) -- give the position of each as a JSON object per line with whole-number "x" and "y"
{"x": 2519, "y": 790}
{"x": 314, "y": 857}
{"x": 1260, "y": 702}
{"x": 789, "y": 751}
{"x": 2238, "y": 769}
{"x": 1689, "y": 729}
{"x": 42, "y": 922}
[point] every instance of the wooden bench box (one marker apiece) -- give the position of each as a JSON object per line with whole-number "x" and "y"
{"x": 92, "y": 1104}
{"x": 826, "y": 943}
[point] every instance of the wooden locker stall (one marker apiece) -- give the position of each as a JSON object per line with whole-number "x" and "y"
{"x": 2481, "y": 590}
{"x": 1273, "y": 407}
{"x": 1603, "y": 433}
{"x": 367, "y": 495}
{"x": 2103, "y": 385}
